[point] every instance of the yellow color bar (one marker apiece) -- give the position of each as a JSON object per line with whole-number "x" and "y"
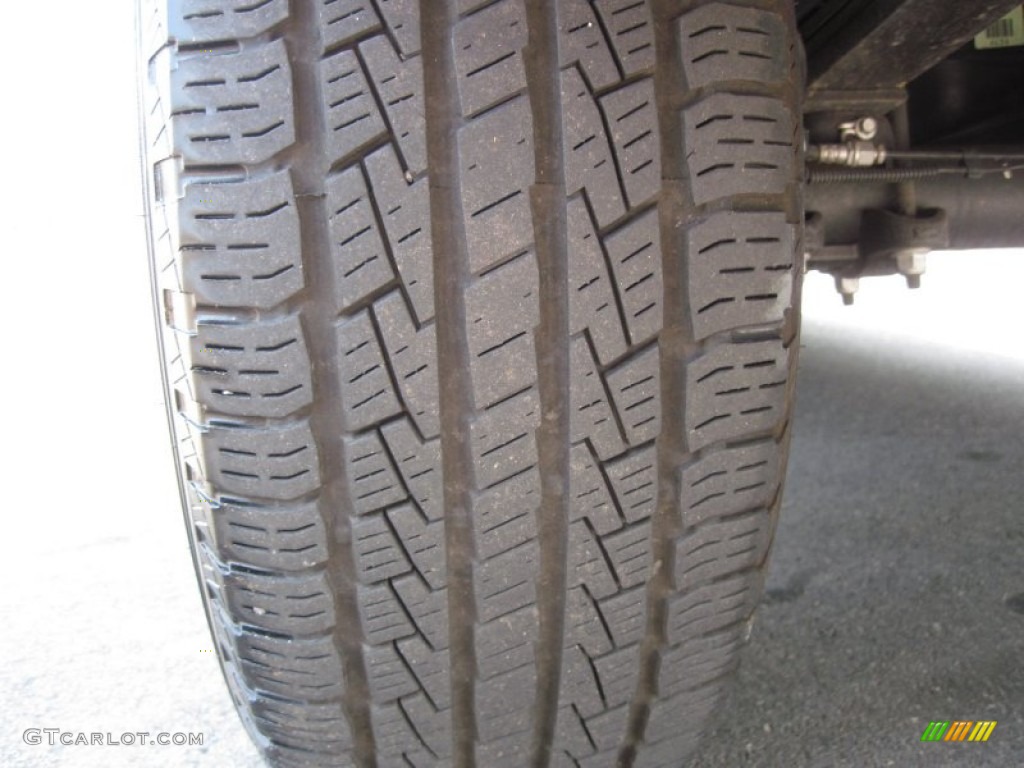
{"x": 982, "y": 730}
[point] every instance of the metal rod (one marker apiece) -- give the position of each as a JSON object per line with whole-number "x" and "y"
{"x": 962, "y": 155}
{"x": 906, "y": 193}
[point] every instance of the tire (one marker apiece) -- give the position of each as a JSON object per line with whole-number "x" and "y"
{"x": 479, "y": 338}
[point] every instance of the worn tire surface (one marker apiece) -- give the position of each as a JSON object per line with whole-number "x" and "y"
{"x": 479, "y": 334}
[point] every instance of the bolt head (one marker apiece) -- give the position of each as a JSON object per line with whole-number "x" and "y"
{"x": 867, "y": 128}
{"x": 912, "y": 263}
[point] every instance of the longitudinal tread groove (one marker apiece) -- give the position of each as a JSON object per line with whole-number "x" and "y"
{"x": 478, "y": 327}
{"x": 550, "y": 212}
{"x": 449, "y": 269}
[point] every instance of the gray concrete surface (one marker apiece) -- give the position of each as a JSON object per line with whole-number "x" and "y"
{"x": 898, "y": 568}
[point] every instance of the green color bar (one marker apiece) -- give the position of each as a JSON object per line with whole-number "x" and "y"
{"x": 935, "y": 730}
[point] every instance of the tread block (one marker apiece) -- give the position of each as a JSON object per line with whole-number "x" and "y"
{"x": 712, "y": 607}
{"x": 634, "y": 479}
{"x": 394, "y": 736}
{"x": 405, "y": 210}
{"x": 399, "y": 83}
{"x": 428, "y": 608}
{"x": 607, "y": 729}
{"x": 342, "y": 21}
{"x": 431, "y": 669}
{"x": 279, "y": 463}
{"x": 297, "y": 668}
{"x": 584, "y": 630}
{"x": 589, "y": 164}
{"x": 618, "y": 673}
{"x": 606, "y": 759}
{"x": 412, "y": 733}
{"x": 505, "y": 716}
{"x": 502, "y": 439}
{"x": 359, "y": 260}
{"x": 739, "y": 279}
{"x": 403, "y": 20}
{"x": 696, "y": 662}
{"x": 506, "y": 643}
{"x": 203, "y": 21}
{"x": 377, "y": 553}
{"x": 319, "y": 726}
{"x": 726, "y": 42}
{"x": 488, "y": 55}
{"x": 413, "y": 356}
{"x": 590, "y": 417}
{"x": 626, "y": 616}
{"x": 256, "y": 369}
{"x": 367, "y": 396}
{"x": 505, "y": 516}
{"x": 636, "y": 389}
{"x": 570, "y": 736}
{"x": 353, "y": 119}
{"x": 629, "y": 25}
{"x": 733, "y": 390}
{"x": 635, "y": 254}
{"x": 589, "y": 496}
{"x": 420, "y": 466}
{"x": 505, "y": 582}
{"x": 592, "y": 304}
{"x": 582, "y": 41}
{"x": 667, "y": 735}
{"x": 738, "y": 145}
{"x": 423, "y": 541}
{"x": 579, "y": 688}
{"x": 633, "y": 122}
{"x": 388, "y": 676}
{"x": 230, "y": 108}
{"x": 297, "y": 604}
{"x": 372, "y": 481}
{"x": 497, "y": 161}
{"x": 239, "y": 242}
{"x": 434, "y": 727}
{"x": 716, "y": 550}
{"x": 630, "y": 553}
{"x": 729, "y": 481}
{"x": 502, "y": 310}
{"x": 382, "y": 615}
{"x": 588, "y": 562}
{"x": 279, "y": 538}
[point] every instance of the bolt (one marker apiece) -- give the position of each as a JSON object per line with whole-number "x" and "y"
{"x": 912, "y": 264}
{"x": 847, "y": 287}
{"x": 866, "y": 128}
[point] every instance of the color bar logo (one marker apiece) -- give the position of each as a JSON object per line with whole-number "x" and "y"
{"x": 958, "y": 730}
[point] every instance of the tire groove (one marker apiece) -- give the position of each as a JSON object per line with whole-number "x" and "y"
{"x": 451, "y": 270}
{"x": 549, "y": 206}
{"x": 326, "y": 425}
{"x": 676, "y": 345}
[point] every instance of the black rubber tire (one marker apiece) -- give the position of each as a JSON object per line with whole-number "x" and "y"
{"x": 479, "y": 331}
